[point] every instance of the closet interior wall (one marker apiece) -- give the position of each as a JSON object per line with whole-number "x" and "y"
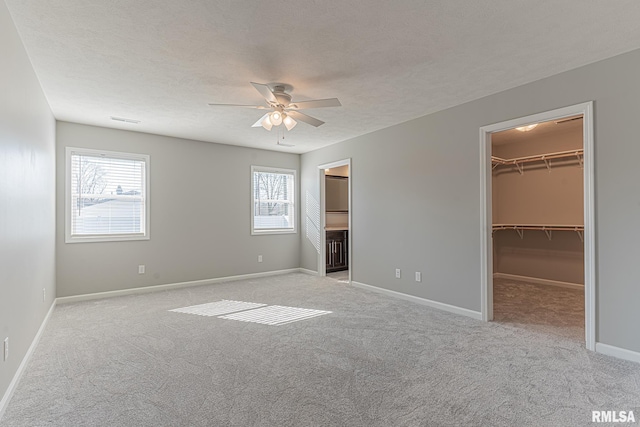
{"x": 539, "y": 196}
{"x": 336, "y": 219}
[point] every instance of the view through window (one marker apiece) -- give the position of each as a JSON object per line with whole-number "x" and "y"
{"x": 273, "y": 194}
{"x": 107, "y": 195}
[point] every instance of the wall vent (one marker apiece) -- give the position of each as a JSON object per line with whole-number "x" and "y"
{"x": 122, "y": 119}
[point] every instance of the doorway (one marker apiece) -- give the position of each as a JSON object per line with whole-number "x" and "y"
{"x": 499, "y": 230}
{"x": 335, "y": 255}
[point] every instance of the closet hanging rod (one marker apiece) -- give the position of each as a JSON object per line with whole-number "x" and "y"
{"x": 567, "y": 227}
{"x": 547, "y": 228}
{"x": 538, "y": 157}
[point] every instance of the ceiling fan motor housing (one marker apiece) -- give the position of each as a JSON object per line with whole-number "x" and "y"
{"x": 284, "y": 99}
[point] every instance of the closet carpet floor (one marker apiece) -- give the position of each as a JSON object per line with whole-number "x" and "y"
{"x": 540, "y": 308}
{"x": 341, "y": 276}
{"x": 373, "y": 361}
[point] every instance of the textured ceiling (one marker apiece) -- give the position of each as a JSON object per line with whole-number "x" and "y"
{"x": 162, "y": 61}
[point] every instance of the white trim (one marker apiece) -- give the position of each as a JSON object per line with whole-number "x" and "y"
{"x": 486, "y": 249}
{"x": 620, "y": 353}
{"x": 486, "y": 227}
{"x": 25, "y": 360}
{"x": 322, "y": 255}
{"x": 309, "y": 272}
{"x": 538, "y": 281}
{"x": 589, "y": 227}
{"x": 294, "y": 203}
{"x": 145, "y": 235}
{"x": 155, "y": 288}
{"x": 433, "y": 304}
{"x": 337, "y": 164}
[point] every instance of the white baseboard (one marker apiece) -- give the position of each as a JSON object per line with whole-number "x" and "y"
{"x": 434, "y": 304}
{"x": 538, "y": 281}
{"x": 155, "y": 288}
{"x": 620, "y": 353}
{"x": 16, "y": 378}
{"x": 310, "y": 272}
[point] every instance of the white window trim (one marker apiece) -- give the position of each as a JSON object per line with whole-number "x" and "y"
{"x": 294, "y": 230}
{"x": 67, "y": 200}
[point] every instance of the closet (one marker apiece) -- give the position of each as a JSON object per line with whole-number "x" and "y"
{"x": 337, "y": 221}
{"x": 538, "y": 215}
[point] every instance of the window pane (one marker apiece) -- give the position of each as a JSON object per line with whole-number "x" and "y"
{"x": 273, "y": 200}
{"x": 109, "y": 216}
{"x": 107, "y": 195}
{"x": 272, "y": 215}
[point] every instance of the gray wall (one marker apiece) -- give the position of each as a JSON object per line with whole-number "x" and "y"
{"x": 416, "y": 193}
{"x": 27, "y": 201}
{"x": 200, "y": 216}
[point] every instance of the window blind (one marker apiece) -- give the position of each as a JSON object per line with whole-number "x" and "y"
{"x": 108, "y": 194}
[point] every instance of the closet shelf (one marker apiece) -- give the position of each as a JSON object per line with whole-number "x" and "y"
{"x": 520, "y": 161}
{"x": 547, "y": 228}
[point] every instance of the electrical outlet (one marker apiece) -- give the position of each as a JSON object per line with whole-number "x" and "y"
{"x": 141, "y": 269}
{"x": 259, "y": 258}
{"x": 6, "y": 348}
{"x": 418, "y": 276}
{"x": 397, "y": 273}
{"x": 44, "y": 294}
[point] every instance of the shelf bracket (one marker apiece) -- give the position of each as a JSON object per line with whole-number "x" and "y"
{"x": 520, "y": 232}
{"x": 547, "y": 232}
{"x": 520, "y": 167}
{"x": 495, "y": 165}
{"x": 546, "y": 163}
{"x": 580, "y": 234}
{"x": 580, "y": 160}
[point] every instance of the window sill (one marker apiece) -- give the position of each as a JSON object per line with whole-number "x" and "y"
{"x": 99, "y": 239}
{"x": 263, "y": 232}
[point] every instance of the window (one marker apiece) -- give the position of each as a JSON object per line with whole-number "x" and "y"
{"x": 106, "y": 196}
{"x": 272, "y": 200}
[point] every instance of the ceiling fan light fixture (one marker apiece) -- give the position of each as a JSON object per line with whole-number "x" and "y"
{"x": 266, "y": 123}
{"x": 527, "y": 128}
{"x": 289, "y": 122}
{"x": 276, "y": 118}
{"x": 281, "y": 110}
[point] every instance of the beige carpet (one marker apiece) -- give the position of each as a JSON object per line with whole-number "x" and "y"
{"x": 340, "y": 276}
{"x": 540, "y": 308}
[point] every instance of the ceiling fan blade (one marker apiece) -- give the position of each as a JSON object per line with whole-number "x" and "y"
{"x": 316, "y": 103}
{"x": 265, "y": 91}
{"x": 258, "y": 124}
{"x": 304, "y": 118}
{"x": 259, "y": 107}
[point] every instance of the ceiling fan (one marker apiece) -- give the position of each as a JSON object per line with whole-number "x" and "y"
{"x": 284, "y": 111}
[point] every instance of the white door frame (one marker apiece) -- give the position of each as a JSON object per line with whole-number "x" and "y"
{"x": 322, "y": 255}
{"x": 486, "y": 263}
